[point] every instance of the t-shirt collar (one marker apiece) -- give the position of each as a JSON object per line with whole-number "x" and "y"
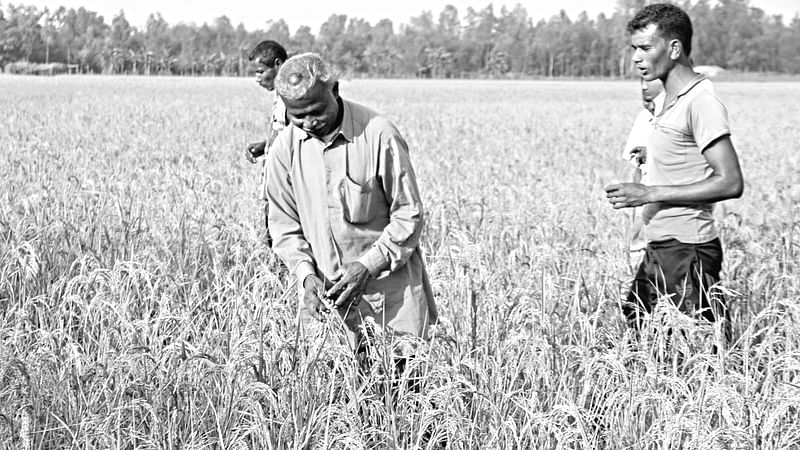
{"x": 699, "y": 78}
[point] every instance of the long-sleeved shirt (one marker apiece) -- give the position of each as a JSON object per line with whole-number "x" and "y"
{"x": 353, "y": 198}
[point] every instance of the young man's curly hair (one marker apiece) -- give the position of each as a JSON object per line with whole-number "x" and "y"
{"x": 672, "y": 23}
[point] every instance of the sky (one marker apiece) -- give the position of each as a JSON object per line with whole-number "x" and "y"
{"x": 256, "y": 13}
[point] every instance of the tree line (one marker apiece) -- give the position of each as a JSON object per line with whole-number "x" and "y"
{"x": 480, "y": 42}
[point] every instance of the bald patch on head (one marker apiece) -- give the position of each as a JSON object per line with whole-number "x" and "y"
{"x": 300, "y": 73}
{"x": 295, "y": 79}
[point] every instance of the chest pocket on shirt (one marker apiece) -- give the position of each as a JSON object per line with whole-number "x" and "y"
{"x": 677, "y": 146}
{"x": 360, "y": 202}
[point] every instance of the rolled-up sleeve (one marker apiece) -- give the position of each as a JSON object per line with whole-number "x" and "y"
{"x": 400, "y": 238}
{"x": 288, "y": 240}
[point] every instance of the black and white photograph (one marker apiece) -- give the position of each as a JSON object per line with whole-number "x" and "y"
{"x": 417, "y": 225}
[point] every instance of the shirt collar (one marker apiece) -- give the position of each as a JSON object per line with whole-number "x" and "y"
{"x": 699, "y": 78}
{"x": 348, "y": 126}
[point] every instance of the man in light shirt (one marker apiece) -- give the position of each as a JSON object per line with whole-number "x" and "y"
{"x": 345, "y": 212}
{"x": 691, "y": 164}
{"x": 635, "y": 152}
{"x": 267, "y": 58}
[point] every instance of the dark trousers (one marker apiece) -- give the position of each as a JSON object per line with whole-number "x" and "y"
{"x": 684, "y": 272}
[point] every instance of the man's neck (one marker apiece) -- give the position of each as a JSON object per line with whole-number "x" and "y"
{"x": 677, "y": 78}
{"x": 328, "y": 137}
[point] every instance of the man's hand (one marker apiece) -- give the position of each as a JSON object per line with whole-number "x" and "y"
{"x": 255, "y": 150}
{"x": 628, "y": 195}
{"x": 348, "y": 290}
{"x": 639, "y": 154}
{"x": 312, "y": 297}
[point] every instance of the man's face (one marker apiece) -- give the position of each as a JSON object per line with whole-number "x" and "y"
{"x": 317, "y": 111}
{"x": 651, "y": 53}
{"x": 650, "y": 90}
{"x": 265, "y": 75}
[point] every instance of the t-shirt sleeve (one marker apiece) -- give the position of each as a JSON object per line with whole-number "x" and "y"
{"x": 709, "y": 120}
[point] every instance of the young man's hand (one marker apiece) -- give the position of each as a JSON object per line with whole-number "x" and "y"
{"x": 628, "y": 195}
{"x": 348, "y": 289}
{"x": 313, "y": 288}
{"x": 255, "y": 150}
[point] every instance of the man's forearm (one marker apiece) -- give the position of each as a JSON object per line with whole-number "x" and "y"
{"x": 713, "y": 189}
{"x": 374, "y": 260}
{"x": 303, "y": 270}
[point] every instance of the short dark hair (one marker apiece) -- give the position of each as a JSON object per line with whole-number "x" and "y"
{"x": 268, "y": 51}
{"x": 672, "y": 23}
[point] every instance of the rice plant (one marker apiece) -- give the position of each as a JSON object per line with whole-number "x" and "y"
{"x": 140, "y": 307}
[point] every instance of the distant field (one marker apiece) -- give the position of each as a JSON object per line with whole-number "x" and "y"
{"x": 139, "y": 307}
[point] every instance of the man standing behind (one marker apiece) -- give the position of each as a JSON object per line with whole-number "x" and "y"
{"x": 635, "y": 152}
{"x": 267, "y": 57}
{"x": 691, "y": 164}
{"x": 345, "y": 212}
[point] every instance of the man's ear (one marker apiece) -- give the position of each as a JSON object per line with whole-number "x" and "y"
{"x": 675, "y": 49}
{"x": 277, "y": 63}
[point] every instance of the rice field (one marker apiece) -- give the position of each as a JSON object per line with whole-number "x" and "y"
{"x": 140, "y": 308}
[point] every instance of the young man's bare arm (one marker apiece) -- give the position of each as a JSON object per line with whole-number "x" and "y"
{"x": 725, "y": 182}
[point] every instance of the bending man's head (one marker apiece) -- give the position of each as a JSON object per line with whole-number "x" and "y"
{"x": 301, "y": 73}
{"x": 309, "y": 89}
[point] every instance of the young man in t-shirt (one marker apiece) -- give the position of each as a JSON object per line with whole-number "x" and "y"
{"x": 691, "y": 164}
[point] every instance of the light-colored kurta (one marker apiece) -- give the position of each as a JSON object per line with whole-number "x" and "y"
{"x": 276, "y": 124}
{"x": 640, "y": 134}
{"x": 353, "y": 199}
{"x": 637, "y": 139}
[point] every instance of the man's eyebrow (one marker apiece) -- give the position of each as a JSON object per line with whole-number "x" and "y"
{"x": 305, "y": 111}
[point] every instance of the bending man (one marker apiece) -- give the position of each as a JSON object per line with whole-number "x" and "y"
{"x": 345, "y": 212}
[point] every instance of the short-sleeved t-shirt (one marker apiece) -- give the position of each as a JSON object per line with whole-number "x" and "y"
{"x": 681, "y": 133}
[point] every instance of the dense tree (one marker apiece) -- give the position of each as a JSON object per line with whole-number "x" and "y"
{"x": 21, "y": 33}
{"x": 479, "y": 42}
{"x": 329, "y": 40}
{"x": 381, "y": 55}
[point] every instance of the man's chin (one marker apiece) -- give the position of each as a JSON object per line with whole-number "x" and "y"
{"x": 317, "y": 133}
